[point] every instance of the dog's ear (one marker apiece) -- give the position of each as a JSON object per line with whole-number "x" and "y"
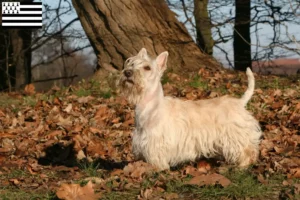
{"x": 143, "y": 53}
{"x": 161, "y": 61}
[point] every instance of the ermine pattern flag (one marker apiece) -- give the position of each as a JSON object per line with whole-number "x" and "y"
{"x": 22, "y": 14}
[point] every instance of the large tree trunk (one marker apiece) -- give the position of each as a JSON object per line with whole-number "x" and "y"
{"x": 203, "y": 26}
{"x": 119, "y": 29}
{"x": 242, "y": 41}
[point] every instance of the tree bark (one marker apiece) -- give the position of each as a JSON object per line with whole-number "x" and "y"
{"x": 21, "y": 43}
{"x": 119, "y": 29}
{"x": 242, "y": 41}
{"x": 3, "y": 49}
{"x": 3, "y": 84}
{"x": 203, "y": 26}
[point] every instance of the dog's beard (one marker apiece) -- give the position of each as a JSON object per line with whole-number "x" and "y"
{"x": 132, "y": 89}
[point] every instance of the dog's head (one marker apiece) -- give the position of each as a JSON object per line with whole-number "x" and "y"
{"x": 141, "y": 74}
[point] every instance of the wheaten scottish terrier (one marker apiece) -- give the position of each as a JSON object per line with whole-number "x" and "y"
{"x": 170, "y": 131}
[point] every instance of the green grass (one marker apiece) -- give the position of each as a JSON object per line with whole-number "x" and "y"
{"x": 106, "y": 94}
{"x": 16, "y": 174}
{"x": 16, "y": 194}
{"x": 91, "y": 169}
{"x": 244, "y": 185}
{"x": 274, "y": 83}
{"x": 12, "y": 192}
{"x": 121, "y": 195}
{"x": 165, "y": 79}
{"x": 29, "y": 101}
{"x": 198, "y": 83}
{"x": 94, "y": 88}
{"x": 6, "y": 100}
{"x": 81, "y": 92}
{"x": 222, "y": 90}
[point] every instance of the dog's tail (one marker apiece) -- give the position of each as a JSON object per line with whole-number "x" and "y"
{"x": 251, "y": 83}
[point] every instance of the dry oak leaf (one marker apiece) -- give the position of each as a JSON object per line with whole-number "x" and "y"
{"x": 294, "y": 173}
{"x": 192, "y": 171}
{"x": 203, "y": 166}
{"x": 297, "y": 188}
{"x": 102, "y": 114}
{"x": 29, "y": 89}
{"x": 85, "y": 99}
{"x": 146, "y": 194}
{"x": 2, "y": 113}
{"x": 210, "y": 179}
{"x": 68, "y": 108}
{"x": 137, "y": 169}
{"x": 75, "y": 192}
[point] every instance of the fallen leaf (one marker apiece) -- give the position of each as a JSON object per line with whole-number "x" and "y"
{"x": 210, "y": 179}
{"x": 76, "y": 192}
{"x": 193, "y": 171}
{"x": 262, "y": 180}
{"x": 80, "y": 155}
{"x": 29, "y": 89}
{"x": 15, "y": 181}
{"x": 297, "y": 188}
{"x": 213, "y": 94}
{"x": 203, "y": 166}
{"x": 277, "y": 105}
{"x": 56, "y": 101}
{"x": 278, "y": 150}
{"x": 7, "y": 145}
{"x": 30, "y": 170}
{"x": 146, "y": 194}
{"x": 191, "y": 96}
{"x": 95, "y": 180}
{"x": 277, "y": 92}
{"x": 54, "y": 134}
{"x": 294, "y": 173}
{"x": 68, "y": 108}
{"x": 128, "y": 122}
{"x": 170, "y": 196}
{"x": 137, "y": 169}
{"x": 116, "y": 172}
{"x": 285, "y": 183}
{"x": 85, "y": 99}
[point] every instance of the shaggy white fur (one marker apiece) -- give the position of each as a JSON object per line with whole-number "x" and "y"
{"x": 170, "y": 131}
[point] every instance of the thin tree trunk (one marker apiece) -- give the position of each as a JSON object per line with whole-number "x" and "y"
{"x": 21, "y": 43}
{"x": 203, "y": 26}
{"x": 241, "y": 44}
{"x": 3, "y": 48}
{"x": 119, "y": 29}
{"x": 7, "y": 44}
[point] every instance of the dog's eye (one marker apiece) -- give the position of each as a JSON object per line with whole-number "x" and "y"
{"x": 147, "y": 68}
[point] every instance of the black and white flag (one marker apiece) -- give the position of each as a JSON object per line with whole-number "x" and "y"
{"x": 22, "y": 15}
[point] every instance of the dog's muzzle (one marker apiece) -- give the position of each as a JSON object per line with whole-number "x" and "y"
{"x": 128, "y": 76}
{"x": 128, "y": 73}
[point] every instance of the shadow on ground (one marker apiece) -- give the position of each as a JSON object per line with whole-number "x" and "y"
{"x": 60, "y": 154}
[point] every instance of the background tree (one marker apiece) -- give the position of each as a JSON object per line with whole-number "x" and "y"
{"x": 16, "y": 63}
{"x": 119, "y": 29}
{"x": 241, "y": 36}
{"x": 277, "y": 17}
{"x": 19, "y": 55}
{"x": 203, "y": 26}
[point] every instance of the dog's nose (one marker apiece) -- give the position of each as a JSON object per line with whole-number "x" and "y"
{"x": 128, "y": 73}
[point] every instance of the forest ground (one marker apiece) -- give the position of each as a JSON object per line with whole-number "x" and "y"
{"x": 76, "y": 141}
